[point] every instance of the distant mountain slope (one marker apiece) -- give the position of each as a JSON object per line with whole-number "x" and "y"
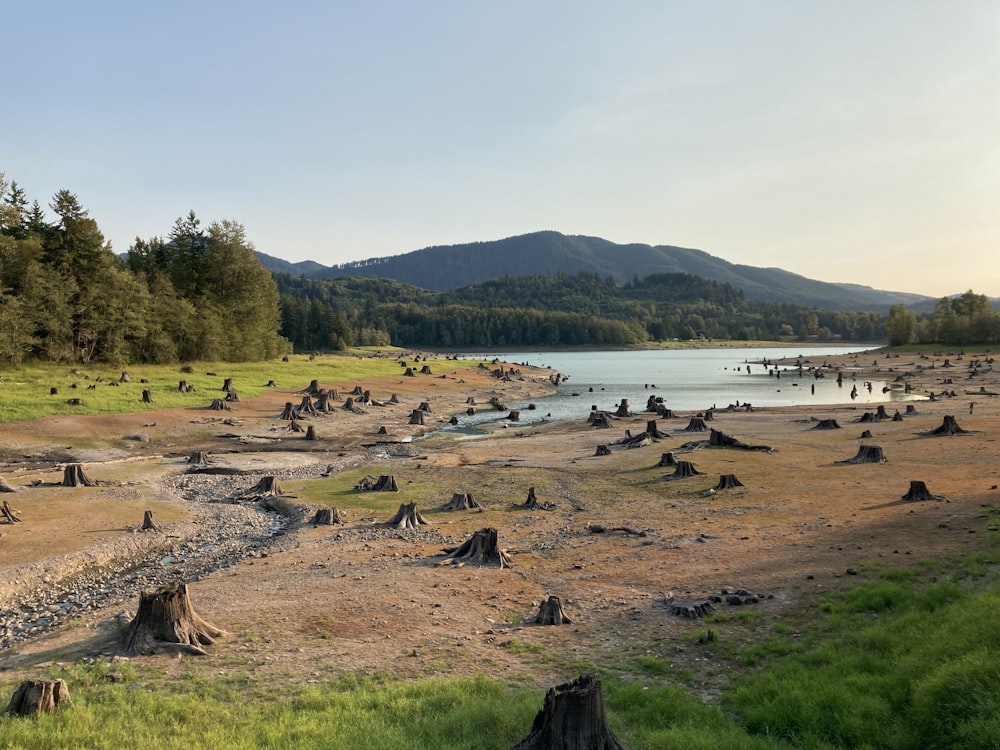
{"x": 277, "y": 265}
{"x": 444, "y": 268}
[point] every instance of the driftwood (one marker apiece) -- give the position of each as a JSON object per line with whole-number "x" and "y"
{"x": 166, "y": 622}
{"x": 572, "y": 717}
{"x": 481, "y": 549}
{"x": 74, "y": 476}
{"x": 147, "y": 522}
{"x": 728, "y": 482}
{"x": 407, "y": 517}
{"x": 9, "y": 514}
{"x": 948, "y": 427}
{"x": 532, "y": 502}
{"x": 327, "y": 517}
{"x": 867, "y": 454}
{"x": 918, "y": 491}
{"x": 826, "y": 424}
{"x": 597, "y": 528}
{"x": 39, "y": 696}
{"x": 667, "y": 459}
{"x": 684, "y": 470}
{"x": 636, "y": 441}
{"x": 721, "y": 440}
{"x": 697, "y": 424}
{"x": 550, "y": 612}
{"x": 462, "y": 501}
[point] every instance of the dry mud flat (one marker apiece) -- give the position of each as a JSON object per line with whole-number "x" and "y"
{"x": 311, "y": 602}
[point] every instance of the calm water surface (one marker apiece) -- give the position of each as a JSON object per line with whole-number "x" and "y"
{"x": 688, "y": 380}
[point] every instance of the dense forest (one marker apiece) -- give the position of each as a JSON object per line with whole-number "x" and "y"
{"x": 200, "y": 293}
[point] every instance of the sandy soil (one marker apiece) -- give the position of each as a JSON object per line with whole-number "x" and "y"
{"x": 361, "y": 596}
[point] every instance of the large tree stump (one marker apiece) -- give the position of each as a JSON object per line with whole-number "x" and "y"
{"x": 306, "y": 407}
{"x": 948, "y": 427}
{"x": 351, "y": 406}
{"x": 166, "y": 622}
{"x": 425, "y": 370}
{"x": 267, "y": 488}
{"x": 667, "y": 459}
{"x": 532, "y": 502}
{"x": 881, "y": 414}
{"x": 74, "y": 476}
{"x": 9, "y": 514}
{"x": 728, "y": 482}
{"x": 572, "y": 718}
{"x": 664, "y": 413}
{"x": 219, "y": 404}
{"x": 867, "y": 454}
{"x": 39, "y": 696}
{"x": 385, "y": 483}
{"x": 288, "y": 412}
{"x": 918, "y": 491}
{"x": 417, "y": 416}
{"x": 311, "y": 433}
{"x": 718, "y": 439}
{"x": 550, "y": 612}
{"x": 684, "y": 470}
{"x": 327, "y": 517}
{"x": 462, "y": 501}
{"x": 312, "y": 389}
{"x": 481, "y": 549}
{"x": 227, "y": 385}
{"x": 826, "y": 424}
{"x": 654, "y": 431}
{"x": 147, "y": 522}
{"x": 407, "y": 517}
{"x": 622, "y": 410}
{"x": 147, "y": 396}
{"x": 602, "y": 450}
{"x": 697, "y": 424}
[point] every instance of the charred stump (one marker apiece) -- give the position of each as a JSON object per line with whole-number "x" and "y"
{"x": 602, "y": 450}
{"x": 532, "y": 502}
{"x": 75, "y": 476}
{"x": 684, "y": 470}
{"x": 918, "y": 491}
{"x": 327, "y": 517}
{"x": 417, "y": 416}
{"x": 407, "y": 517}
{"x": 462, "y": 501}
{"x": 623, "y": 409}
{"x": 826, "y": 424}
{"x": 948, "y": 427}
{"x": 653, "y": 431}
{"x": 867, "y": 454}
{"x": 9, "y": 514}
{"x": 219, "y": 404}
{"x": 550, "y": 612}
{"x": 38, "y": 696}
{"x": 147, "y": 396}
{"x": 728, "y": 482}
{"x": 166, "y": 622}
{"x": 481, "y": 549}
{"x": 147, "y": 522}
{"x": 667, "y": 459}
{"x": 572, "y": 717}
{"x": 697, "y": 424}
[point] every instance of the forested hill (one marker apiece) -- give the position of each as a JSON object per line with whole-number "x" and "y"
{"x": 446, "y": 268}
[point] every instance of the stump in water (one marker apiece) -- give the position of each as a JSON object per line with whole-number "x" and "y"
{"x": 5, "y": 487}
{"x": 514, "y": 416}
{"x": 10, "y": 515}
{"x": 623, "y": 409}
{"x": 572, "y": 717}
{"x": 470, "y": 411}
{"x": 327, "y": 517}
{"x": 39, "y": 696}
{"x": 147, "y": 522}
{"x": 697, "y": 424}
{"x": 532, "y": 502}
{"x": 74, "y": 476}
{"x": 826, "y": 424}
{"x": 417, "y": 416}
{"x": 684, "y": 470}
{"x": 866, "y": 435}
{"x": 918, "y": 491}
{"x": 667, "y": 459}
{"x": 407, "y": 517}
{"x": 311, "y": 433}
{"x": 462, "y": 501}
{"x": 147, "y": 396}
{"x": 867, "y": 454}
{"x": 219, "y": 404}
{"x": 550, "y": 612}
{"x": 481, "y": 549}
{"x": 721, "y": 440}
{"x": 602, "y": 450}
{"x": 654, "y": 431}
{"x": 948, "y": 427}
{"x": 728, "y": 482}
{"x": 166, "y": 622}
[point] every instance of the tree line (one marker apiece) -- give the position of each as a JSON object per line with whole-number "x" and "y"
{"x": 966, "y": 319}
{"x": 65, "y": 296}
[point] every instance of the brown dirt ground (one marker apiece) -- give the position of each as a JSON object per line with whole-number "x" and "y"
{"x": 337, "y": 599}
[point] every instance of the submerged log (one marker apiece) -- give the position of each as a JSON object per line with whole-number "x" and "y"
{"x": 166, "y": 622}
{"x": 550, "y": 612}
{"x": 481, "y": 549}
{"x": 918, "y": 491}
{"x": 572, "y": 718}
{"x": 39, "y": 696}
{"x": 867, "y": 454}
{"x": 407, "y": 517}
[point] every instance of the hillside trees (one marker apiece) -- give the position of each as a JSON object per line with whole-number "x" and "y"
{"x": 901, "y": 326}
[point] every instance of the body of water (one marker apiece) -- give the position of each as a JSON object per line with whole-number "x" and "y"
{"x": 689, "y": 380}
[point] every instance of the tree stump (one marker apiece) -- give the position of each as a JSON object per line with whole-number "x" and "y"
{"x": 424, "y": 406}
{"x": 868, "y": 416}
{"x": 602, "y": 450}
{"x": 268, "y": 487}
{"x": 462, "y": 501}
{"x": 74, "y": 476}
{"x": 5, "y": 487}
{"x": 550, "y": 612}
{"x": 219, "y": 404}
{"x": 288, "y": 412}
{"x": 124, "y": 378}
{"x": 351, "y": 406}
{"x": 948, "y": 427}
{"x": 393, "y": 399}
{"x": 166, "y": 622}
{"x": 294, "y": 426}
{"x": 636, "y": 441}
{"x": 728, "y": 482}
{"x": 514, "y": 416}
{"x": 183, "y": 387}
{"x": 382, "y": 430}
{"x": 232, "y": 396}
{"x": 867, "y": 454}
{"x": 323, "y": 405}
{"x": 897, "y": 417}
{"x": 709, "y": 415}
{"x": 409, "y": 373}
{"x": 664, "y": 413}
{"x": 10, "y": 515}
{"x": 600, "y": 419}
{"x": 721, "y": 440}
{"x": 270, "y": 384}
{"x": 653, "y": 431}
{"x": 918, "y": 491}
{"x": 622, "y": 410}
{"x": 826, "y": 424}
{"x": 53, "y": 391}
{"x": 147, "y": 522}
{"x": 911, "y": 409}
{"x": 385, "y": 483}
{"x": 880, "y": 413}
{"x": 697, "y": 424}
{"x": 691, "y": 610}
{"x": 481, "y": 549}
{"x": 39, "y": 696}
{"x": 866, "y": 435}
{"x": 470, "y": 411}
{"x": 306, "y": 407}
{"x": 471, "y": 401}
{"x": 227, "y": 385}
{"x": 407, "y": 517}
{"x": 667, "y": 459}
{"x": 74, "y": 402}
{"x": 312, "y": 389}
{"x": 311, "y": 433}
{"x": 327, "y": 517}
{"x": 572, "y": 717}
{"x": 147, "y": 396}
{"x": 426, "y": 370}
{"x": 684, "y": 470}
{"x": 417, "y": 416}
{"x": 199, "y": 458}
{"x": 532, "y": 502}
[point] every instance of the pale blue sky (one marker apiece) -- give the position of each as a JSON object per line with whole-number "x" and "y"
{"x": 852, "y": 141}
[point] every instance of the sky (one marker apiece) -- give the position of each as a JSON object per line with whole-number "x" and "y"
{"x": 851, "y": 141}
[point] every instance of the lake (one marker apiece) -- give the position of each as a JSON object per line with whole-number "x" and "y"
{"x": 686, "y": 380}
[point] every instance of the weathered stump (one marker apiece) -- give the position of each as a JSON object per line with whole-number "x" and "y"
{"x": 599, "y": 419}
{"x": 39, "y": 696}
{"x": 664, "y": 413}
{"x": 880, "y": 413}
{"x": 393, "y": 399}
{"x": 866, "y": 435}
{"x": 227, "y": 385}
{"x": 550, "y": 612}
{"x": 5, "y": 487}
{"x": 9, "y": 514}
{"x": 409, "y": 373}
{"x": 481, "y": 549}
{"x": 294, "y": 426}
{"x": 270, "y": 384}
{"x": 166, "y": 622}
{"x": 147, "y": 396}
{"x": 911, "y": 409}
{"x": 636, "y": 441}
{"x": 124, "y": 378}
{"x": 948, "y": 427}
{"x": 918, "y": 491}
{"x": 514, "y": 416}
{"x": 721, "y": 440}
{"x": 407, "y": 517}
{"x": 426, "y": 370}
{"x": 653, "y": 431}
{"x": 868, "y": 416}
{"x": 417, "y": 416}
{"x": 53, "y": 391}
{"x": 74, "y": 476}
{"x": 532, "y": 502}
{"x": 424, "y": 406}
{"x": 622, "y": 410}
{"x": 147, "y": 522}
{"x": 826, "y": 424}
{"x": 602, "y": 450}
{"x": 382, "y": 430}
{"x": 691, "y": 610}
{"x": 684, "y": 470}
{"x": 462, "y": 501}
{"x": 385, "y": 483}
{"x": 232, "y": 396}
{"x": 572, "y": 718}
{"x": 268, "y": 487}
{"x": 897, "y": 417}
{"x": 306, "y": 407}
{"x": 667, "y": 459}
{"x": 311, "y": 433}
{"x": 728, "y": 482}
{"x": 327, "y": 517}
{"x": 74, "y": 402}
{"x": 471, "y": 401}
{"x": 696, "y": 424}
{"x": 288, "y": 412}
{"x": 867, "y": 454}
{"x": 199, "y": 458}
{"x": 219, "y": 404}
{"x": 312, "y": 389}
